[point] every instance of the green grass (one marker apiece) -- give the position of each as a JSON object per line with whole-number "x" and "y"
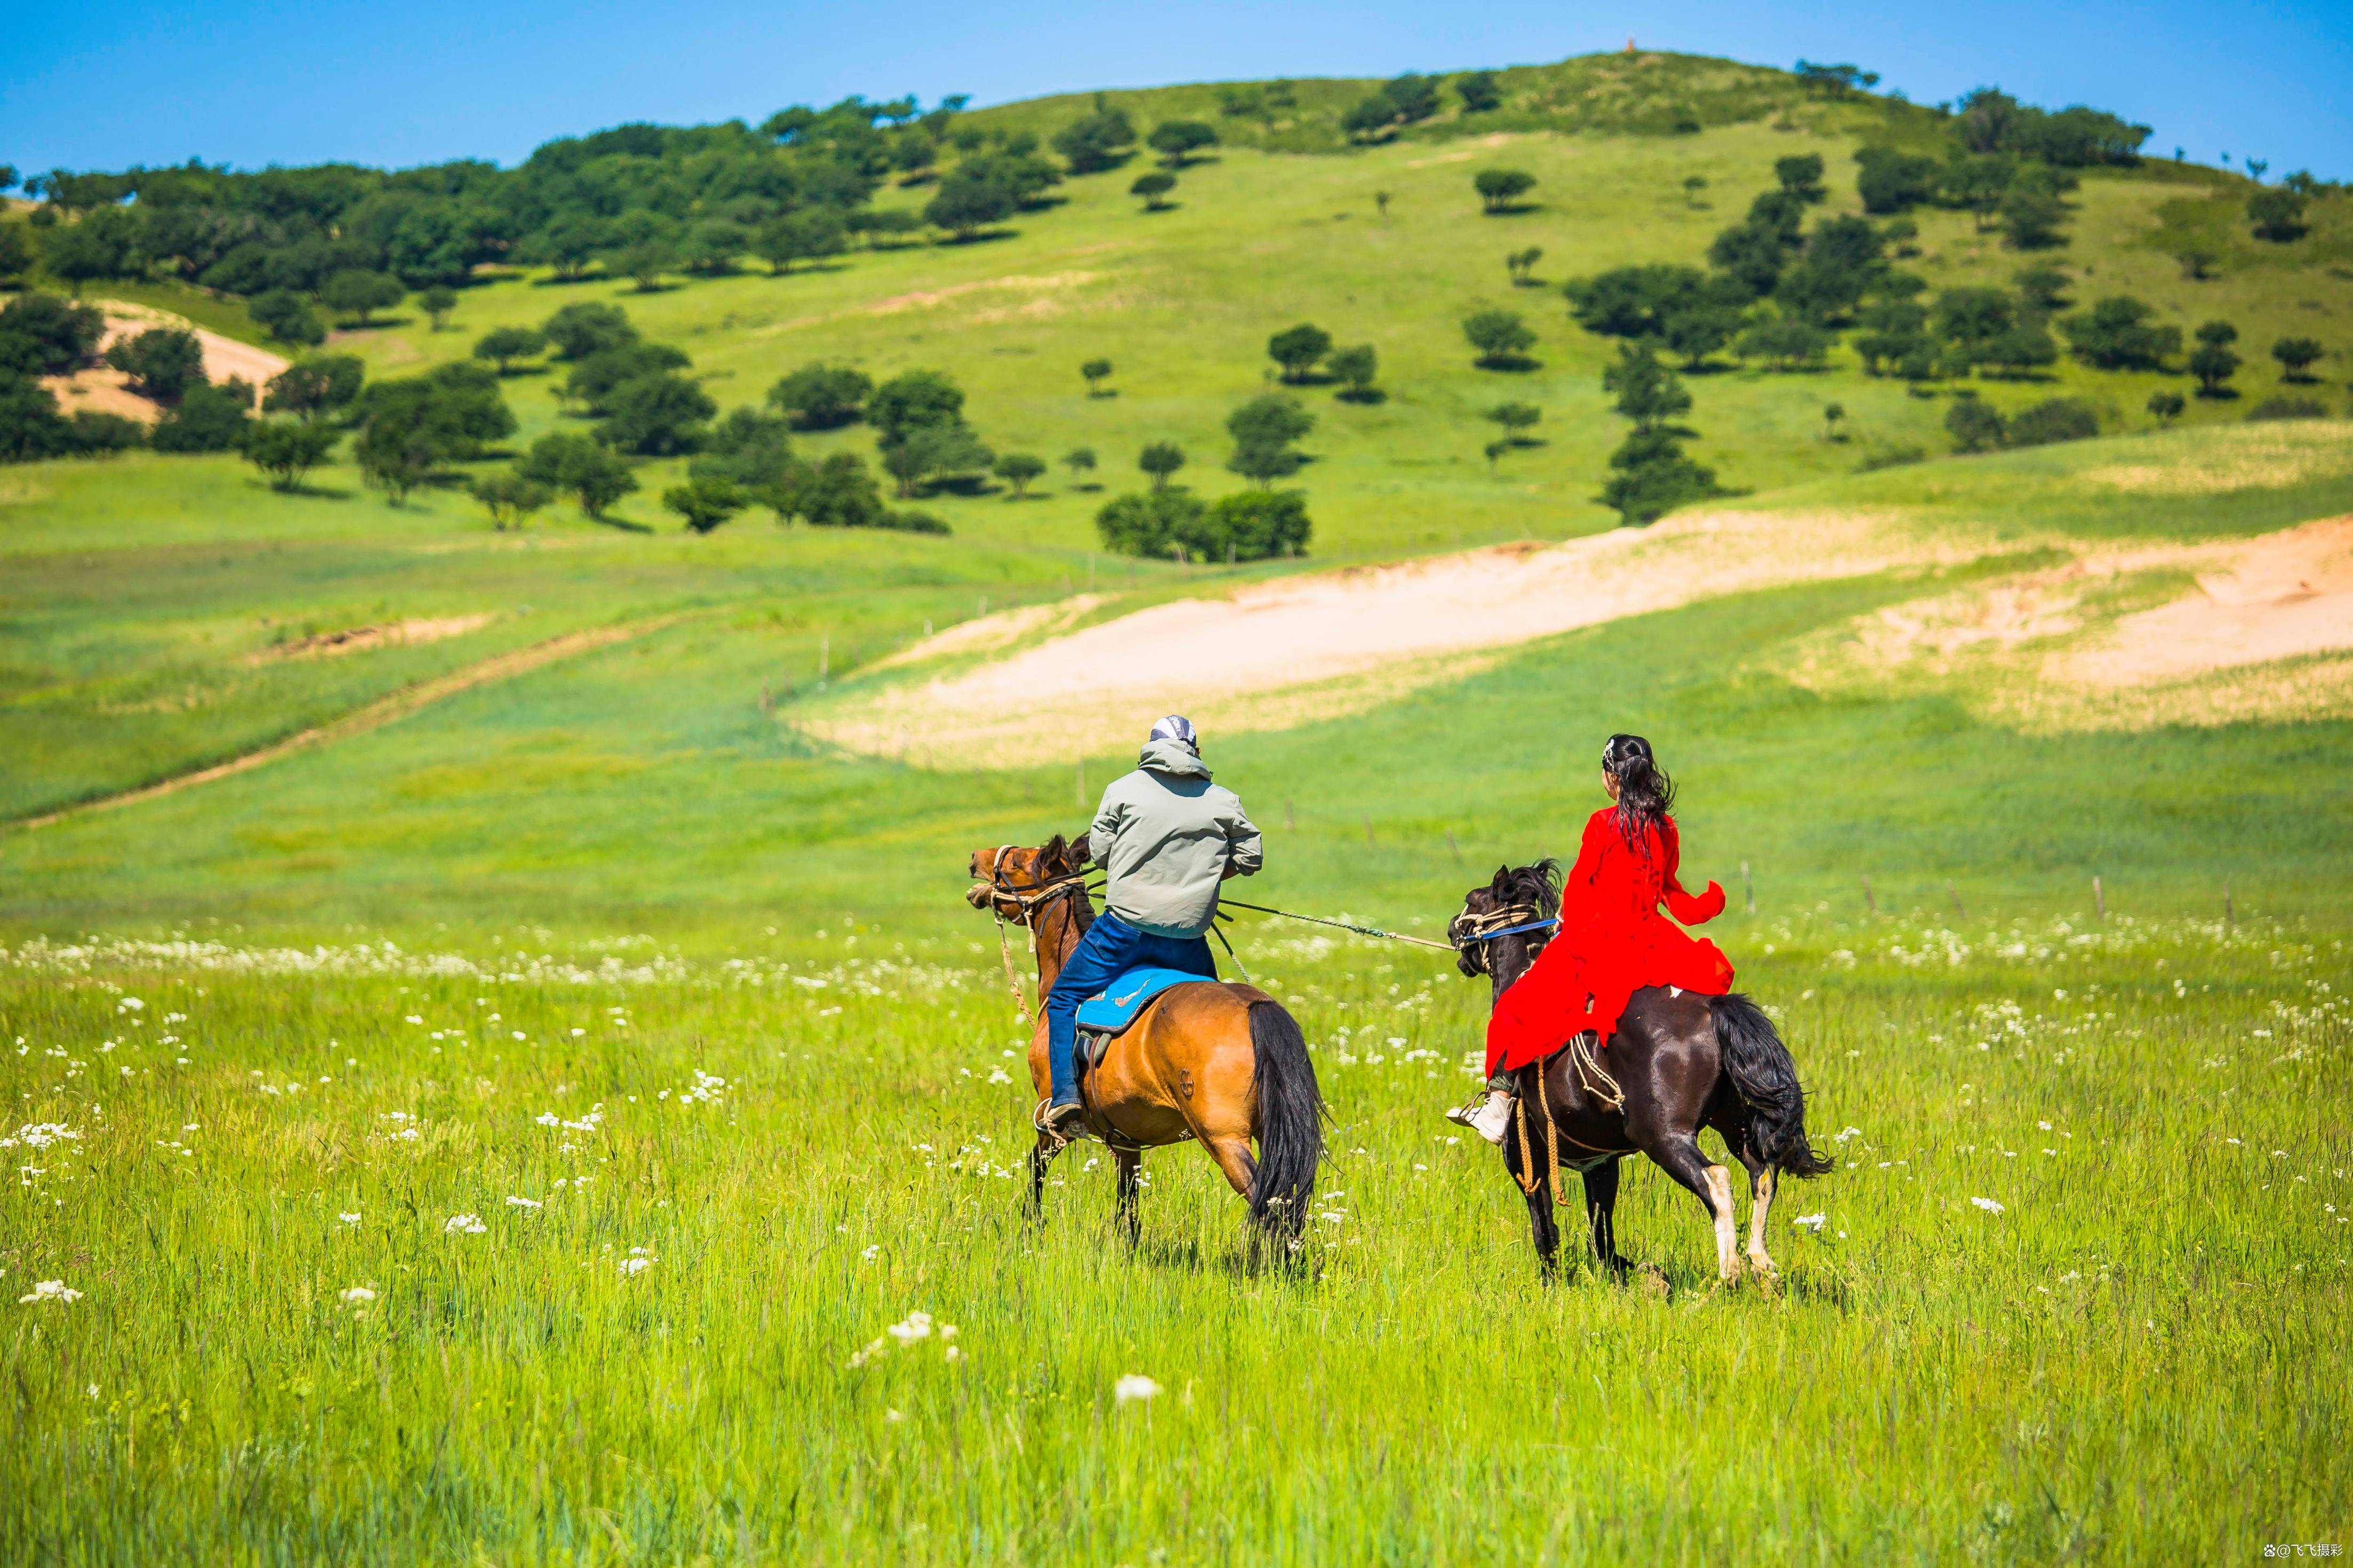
{"x": 2139, "y": 1358}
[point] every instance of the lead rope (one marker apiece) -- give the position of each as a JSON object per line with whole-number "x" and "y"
{"x": 1552, "y": 1144}
{"x": 1012, "y": 979}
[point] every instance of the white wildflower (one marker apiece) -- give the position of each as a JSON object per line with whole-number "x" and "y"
{"x": 1987, "y": 1204}
{"x": 633, "y": 1266}
{"x": 349, "y": 1218}
{"x": 465, "y": 1224}
{"x": 1135, "y": 1385}
{"x": 1813, "y": 1222}
{"x": 522, "y": 1203}
{"x": 360, "y": 1295}
{"x": 50, "y": 1290}
{"x": 913, "y": 1327}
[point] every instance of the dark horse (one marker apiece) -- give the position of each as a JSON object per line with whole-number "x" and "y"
{"x": 1678, "y": 1062}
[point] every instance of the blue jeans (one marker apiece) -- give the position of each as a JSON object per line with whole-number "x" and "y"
{"x": 1110, "y": 949}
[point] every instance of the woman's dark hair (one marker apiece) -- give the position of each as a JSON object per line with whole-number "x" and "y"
{"x": 1645, "y": 792}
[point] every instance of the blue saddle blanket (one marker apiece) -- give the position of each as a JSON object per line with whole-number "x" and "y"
{"x": 1116, "y": 1008}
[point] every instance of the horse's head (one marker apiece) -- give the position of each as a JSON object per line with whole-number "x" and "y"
{"x": 1009, "y": 878}
{"x": 1519, "y": 895}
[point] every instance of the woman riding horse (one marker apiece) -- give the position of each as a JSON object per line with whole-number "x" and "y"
{"x": 1612, "y": 942}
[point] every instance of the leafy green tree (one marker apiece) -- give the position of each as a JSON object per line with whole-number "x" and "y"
{"x": 1257, "y": 525}
{"x": 1648, "y": 393}
{"x": 577, "y": 466}
{"x": 2055, "y": 419}
{"x": 1972, "y": 321}
{"x": 1081, "y": 461}
{"x": 97, "y": 435}
{"x": 2212, "y": 360}
{"x": 1154, "y": 187}
{"x": 1161, "y": 459}
{"x": 821, "y": 396}
{"x": 2296, "y": 357}
{"x": 836, "y": 493}
{"x": 655, "y": 416}
{"x": 412, "y": 426}
{"x": 1265, "y": 430}
{"x": 1019, "y": 469}
{"x": 31, "y": 428}
{"x": 1652, "y": 477}
{"x": 1974, "y": 424}
{"x": 314, "y": 388}
{"x": 1976, "y": 184}
{"x": 915, "y": 400}
{"x": 1095, "y": 371}
{"x": 969, "y": 201}
{"x": 286, "y": 451}
{"x": 508, "y": 497}
{"x": 1892, "y": 330}
{"x": 1501, "y": 338}
{"x": 504, "y": 345}
{"x": 1098, "y": 142}
{"x": 207, "y": 419}
{"x": 61, "y": 334}
{"x": 2116, "y": 334}
{"x": 15, "y": 253}
{"x": 1405, "y": 100}
{"x": 709, "y": 247}
{"x": 1801, "y": 176}
{"x": 438, "y": 302}
{"x": 1515, "y": 417}
{"x": 593, "y": 380}
{"x": 1357, "y": 368}
{"x": 1479, "y": 92}
{"x": 1520, "y": 265}
{"x": 1177, "y": 140}
{"x": 1500, "y": 190}
{"x": 1693, "y": 185}
{"x": 1785, "y": 342}
{"x": 2043, "y": 289}
{"x": 1890, "y": 181}
{"x": 802, "y": 235}
{"x": 705, "y": 502}
{"x": 586, "y": 329}
{"x": 2024, "y": 349}
{"x": 2030, "y": 215}
{"x": 2278, "y": 214}
{"x": 1833, "y": 415}
{"x": 161, "y": 363}
{"x": 1699, "y": 327}
{"x": 750, "y": 448}
{"x": 933, "y": 451}
{"x": 1633, "y": 301}
{"x": 360, "y": 294}
{"x": 2167, "y": 406}
{"x": 284, "y": 315}
{"x": 105, "y": 244}
{"x": 1296, "y": 350}
{"x": 1153, "y": 525}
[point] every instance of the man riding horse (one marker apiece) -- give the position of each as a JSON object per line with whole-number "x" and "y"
{"x": 1166, "y": 836}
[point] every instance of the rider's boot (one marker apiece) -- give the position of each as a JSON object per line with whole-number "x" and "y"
{"x": 1488, "y": 1113}
{"x": 1065, "y": 1121}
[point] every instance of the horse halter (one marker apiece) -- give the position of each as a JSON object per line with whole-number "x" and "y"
{"x": 1025, "y": 899}
{"x": 1473, "y": 932}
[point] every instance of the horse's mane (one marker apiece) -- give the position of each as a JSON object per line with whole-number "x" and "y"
{"x": 1537, "y": 886}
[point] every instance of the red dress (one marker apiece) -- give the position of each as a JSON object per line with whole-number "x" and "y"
{"x": 1611, "y": 942}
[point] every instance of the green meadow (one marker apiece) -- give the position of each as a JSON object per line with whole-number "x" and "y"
{"x": 512, "y": 1128}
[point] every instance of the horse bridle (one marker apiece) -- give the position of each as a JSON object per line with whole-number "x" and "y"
{"x": 1025, "y": 898}
{"x": 1473, "y": 932}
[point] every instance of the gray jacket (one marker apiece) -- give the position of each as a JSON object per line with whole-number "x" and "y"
{"x": 1166, "y": 836}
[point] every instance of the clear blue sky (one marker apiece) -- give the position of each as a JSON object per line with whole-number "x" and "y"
{"x": 116, "y": 82}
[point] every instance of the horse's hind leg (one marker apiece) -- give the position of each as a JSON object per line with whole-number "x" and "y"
{"x": 1678, "y": 1154}
{"x": 1232, "y": 1155}
{"x": 1734, "y": 1132}
{"x": 1131, "y": 1168}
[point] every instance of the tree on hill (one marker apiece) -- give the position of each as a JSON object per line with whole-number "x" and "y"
{"x": 1019, "y": 469}
{"x": 2278, "y": 214}
{"x": 802, "y": 235}
{"x": 1785, "y": 342}
{"x": 1652, "y": 477}
{"x": 969, "y": 201}
{"x": 103, "y": 244}
{"x": 504, "y": 345}
{"x": 1834, "y": 81}
{"x": 2212, "y": 360}
{"x": 1501, "y": 189}
{"x": 1501, "y": 338}
{"x": 1257, "y": 525}
{"x": 749, "y": 449}
{"x": 1177, "y": 140}
{"x": 284, "y": 315}
{"x": 655, "y": 415}
{"x": 2043, "y": 290}
{"x": 934, "y": 452}
{"x": 1095, "y": 371}
{"x": 2167, "y": 406}
{"x": 1264, "y": 430}
{"x": 592, "y": 381}
{"x": 641, "y": 245}
{"x": 1357, "y": 368}
{"x": 1971, "y": 320}
{"x": 1296, "y": 350}
{"x": 1515, "y": 417}
{"x": 1974, "y": 424}
{"x": 1648, "y": 393}
{"x": 1154, "y": 525}
{"x": 2116, "y": 334}
{"x": 1479, "y": 92}
{"x": 314, "y": 388}
{"x": 2296, "y": 357}
{"x": 1081, "y": 461}
{"x": 1160, "y": 461}
{"x": 360, "y": 294}
{"x": 1520, "y": 265}
{"x": 163, "y": 362}
{"x": 915, "y": 400}
{"x": 285, "y": 450}
{"x": 1098, "y": 142}
{"x": 577, "y": 466}
{"x": 705, "y": 502}
{"x": 586, "y": 329}
{"x": 59, "y": 334}
{"x": 1892, "y": 181}
{"x": 821, "y": 396}
{"x": 1801, "y": 176}
{"x": 207, "y": 418}
{"x": 1154, "y": 187}
{"x": 2052, "y": 420}
{"x": 508, "y": 497}
{"x": 436, "y": 303}
{"x": 2031, "y": 212}
{"x": 1405, "y": 100}
{"x": 15, "y": 253}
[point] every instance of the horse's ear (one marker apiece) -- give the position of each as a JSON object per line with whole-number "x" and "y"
{"x": 1502, "y": 875}
{"x": 1082, "y": 851}
{"x": 1050, "y": 853}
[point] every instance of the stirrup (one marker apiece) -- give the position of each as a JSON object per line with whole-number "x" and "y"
{"x": 1065, "y": 1128}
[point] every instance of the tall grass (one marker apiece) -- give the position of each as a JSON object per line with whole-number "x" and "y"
{"x": 2138, "y": 1356}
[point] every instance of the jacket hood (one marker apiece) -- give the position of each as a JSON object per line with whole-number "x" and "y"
{"x": 1173, "y": 757}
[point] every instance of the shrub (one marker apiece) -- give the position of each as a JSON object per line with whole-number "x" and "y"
{"x": 1974, "y": 424}
{"x": 1500, "y": 190}
{"x": 584, "y": 329}
{"x": 2288, "y": 408}
{"x": 208, "y": 419}
{"x": 1653, "y": 477}
{"x": 286, "y": 451}
{"x": 1149, "y": 524}
{"x": 1257, "y": 525}
{"x": 821, "y": 396}
{"x": 2056, "y": 419}
{"x": 161, "y": 363}
{"x": 1501, "y": 338}
{"x": 704, "y": 502}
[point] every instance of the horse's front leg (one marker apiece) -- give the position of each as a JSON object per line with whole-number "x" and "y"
{"x": 1041, "y": 1156}
{"x": 1541, "y": 1228}
{"x": 1131, "y": 1186}
{"x": 1602, "y": 1216}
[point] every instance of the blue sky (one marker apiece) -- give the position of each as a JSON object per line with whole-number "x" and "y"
{"x": 256, "y": 81}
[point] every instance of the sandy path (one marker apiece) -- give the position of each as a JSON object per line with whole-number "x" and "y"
{"x": 1279, "y": 653}
{"x": 2281, "y": 596}
{"x": 374, "y": 715}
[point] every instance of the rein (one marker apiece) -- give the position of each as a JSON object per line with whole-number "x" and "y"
{"x": 1471, "y": 933}
{"x": 1343, "y": 925}
{"x": 1027, "y": 899}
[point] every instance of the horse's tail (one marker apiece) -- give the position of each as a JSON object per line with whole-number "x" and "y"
{"x": 1290, "y": 1121}
{"x": 1766, "y": 1081}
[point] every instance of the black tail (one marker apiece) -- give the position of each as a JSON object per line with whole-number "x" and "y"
{"x": 1290, "y": 1121}
{"x": 1766, "y": 1081}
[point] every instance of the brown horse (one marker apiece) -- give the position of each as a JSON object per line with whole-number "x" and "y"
{"x": 1678, "y": 1062}
{"x": 1209, "y": 1061}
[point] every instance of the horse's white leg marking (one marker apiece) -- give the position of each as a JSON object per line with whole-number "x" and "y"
{"x": 1727, "y": 1233}
{"x": 1759, "y": 1207}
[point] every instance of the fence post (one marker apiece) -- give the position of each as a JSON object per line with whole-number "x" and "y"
{"x": 1953, "y": 898}
{"x": 2099, "y": 899}
{"x": 2228, "y": 919}
{"x": 1289, "y": 823}
{"x": 1747, "y": 887}
{"x": 1370, "y": 842}
{"x": 1454, "y": 846}
{"x": 824, "y": 656}
{"x": 1082, "y": 783}
{"x": 1868, "y": 901}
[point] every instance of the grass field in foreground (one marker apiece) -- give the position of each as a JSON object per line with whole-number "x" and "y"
{"x": 2078, "y": 1290}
